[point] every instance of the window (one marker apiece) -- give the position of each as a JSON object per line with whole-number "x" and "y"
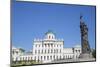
{"x": 60, "y": 57}
{"x": 35, "y": 51}
{"x": 13, "y": 52}
{"x": 49, "y": 37}
{"x": 39, "y": 45}
{"x": 47, "y": 57}
{"x": 38, "y": 58}
{"x": 45, "y": 51}
{"x": 54, "y": 45}
{"x": 73, "y": 56}
{"x": 38, "y": 51}
{"x": 20, "y": 58}
{"x": 31, "y": 58}
{"x": 76, "y": 51}
{"x": 79, "y": 51}
{"x": 54, "y": 56}
{"x": 57, "y": 50}
{"x": 42, "y": 51}
{"x": 57, "y": 57}
{"x": 51, "y": 45}
{"x": 41, "y": 57}
{"x": 54, "y": 51}
{"x": 44, "y": 57}
{"x": 16, "y": 58}
{"x": 60, "y": 50}
{"x": 35, "y": 58}
{"x": 45, "y": 45}
{"x": 48, "y": 50}
{"x": 36, "y": 45}
{"x": 48, "y": 45}
{"x": 51, "y": 51}
{"x": 50, "y": 57}
{"x": 73, "y": 50}
{"x": 23, "y": 58}
{"x": 52, "y": 37}
{"x": 16, "y": 52}
{"x": 26, "y": 58}
{"x": 66, "y": 56}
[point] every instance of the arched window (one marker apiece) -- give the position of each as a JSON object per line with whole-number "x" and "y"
{"x": 79, "y": 51}
{"x": 49, "y": 37}
{"x": 45, "y": 45}
{"x": 54, "y": 56}
{"x": 76, "y": 51}
{"x": 48, "y": 45}
{"x": 50, "y": 57}
{"x": 47, "y": 57}
{"x": 16, "y": 52}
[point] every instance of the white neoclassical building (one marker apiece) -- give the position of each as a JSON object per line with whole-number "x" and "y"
{"x": 47, "y": 50}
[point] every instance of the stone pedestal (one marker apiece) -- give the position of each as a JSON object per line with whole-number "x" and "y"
{"x": 86, "y": 55}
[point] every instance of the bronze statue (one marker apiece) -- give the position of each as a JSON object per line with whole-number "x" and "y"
{"x": 84, "y": 37}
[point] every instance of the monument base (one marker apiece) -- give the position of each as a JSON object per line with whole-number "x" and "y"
{"x": 86, "y": 55}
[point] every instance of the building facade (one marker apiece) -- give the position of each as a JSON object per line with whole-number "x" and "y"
{"x": 50, "y": 49}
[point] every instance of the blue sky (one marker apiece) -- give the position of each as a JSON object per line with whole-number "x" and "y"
{"x": 32, "y": 20}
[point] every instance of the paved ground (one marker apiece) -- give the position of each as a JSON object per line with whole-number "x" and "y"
{"x": 73, "y": 60}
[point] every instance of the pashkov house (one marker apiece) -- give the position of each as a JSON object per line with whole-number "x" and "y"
{"x": 47, "y": 50}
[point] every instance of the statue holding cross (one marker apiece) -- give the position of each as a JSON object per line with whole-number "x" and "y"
{"x": 84, "y": 38}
